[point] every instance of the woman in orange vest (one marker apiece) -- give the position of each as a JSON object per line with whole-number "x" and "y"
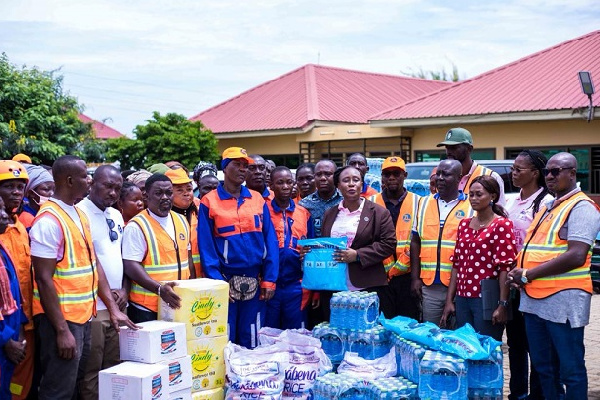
{"x": 485, "y": 249}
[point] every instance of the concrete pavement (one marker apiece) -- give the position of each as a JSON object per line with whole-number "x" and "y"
{"x": 592, "y": 353}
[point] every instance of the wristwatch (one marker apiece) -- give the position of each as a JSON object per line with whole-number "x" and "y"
{"x": 524, "y": 279}
{"x": 503, "y": 303}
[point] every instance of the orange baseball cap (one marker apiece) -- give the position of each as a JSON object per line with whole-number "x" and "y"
{"x": 178, "y": 176}
{"x": 394, "y": 162}
{"x": 22, "y": 158}
{"x": 237, "y": 152}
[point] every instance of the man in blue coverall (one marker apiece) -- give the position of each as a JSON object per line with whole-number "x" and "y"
{"x": 237, "y": 244}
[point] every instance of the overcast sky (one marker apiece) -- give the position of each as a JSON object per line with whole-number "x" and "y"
{"x": 125, "y": 59}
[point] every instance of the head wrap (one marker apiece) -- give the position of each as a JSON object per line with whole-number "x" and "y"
{"x": 37, "y": 176}
{"x": 204, "y": 169}
{"x": 139, "y": 176}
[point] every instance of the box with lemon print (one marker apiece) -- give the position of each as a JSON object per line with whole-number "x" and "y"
{"x": 208, "y": 363}
{"x": 204, "y": 307}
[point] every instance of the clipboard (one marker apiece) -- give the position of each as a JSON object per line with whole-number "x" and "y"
{"x": 490, "y": 295}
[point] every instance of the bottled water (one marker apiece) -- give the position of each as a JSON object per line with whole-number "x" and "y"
{"x": 354, "y": 310}
{"x": 486, "y": 374}
{"x": 442, "y": 376}
{"x": 332, "y": 341}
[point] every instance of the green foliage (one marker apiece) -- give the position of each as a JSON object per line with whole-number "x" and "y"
{"x": 164, "y": 138}
{"x": 441, "y": 75}
{"x": 46, "y": 119}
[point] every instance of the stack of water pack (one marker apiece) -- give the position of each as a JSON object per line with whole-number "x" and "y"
{"x": 486, "y": 377}
{"x": 408, "y": 357}
{"x": 442, "y": 376}
{"x": 353, "y": 327}
{"x": 373, "y": 177}
{"x": 334, "y": 386}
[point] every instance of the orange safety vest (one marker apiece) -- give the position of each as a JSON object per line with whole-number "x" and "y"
{"x": 16, "y": 242}
{"x": 400, "y": 263}
{"x": 542, "y": 244}
{"x": 161, "y": 261}
{"x": 437, "y": 244}
{"x": 479, "y": 170}
{"x": 75, "y": 277}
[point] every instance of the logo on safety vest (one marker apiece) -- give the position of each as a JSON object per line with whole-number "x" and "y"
{"x": 460, "y": 214}
{"x": 406, "y": 217}
{"x": 550, "y": 216}
{"x": 181, "y": 236}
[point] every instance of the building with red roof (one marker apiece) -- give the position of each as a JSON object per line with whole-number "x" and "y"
{"x": 535, "y": 102}
{"x": 316, "y": 111}
{"x": 102, "y": 131}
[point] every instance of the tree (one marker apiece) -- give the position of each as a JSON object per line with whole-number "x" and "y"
{"x": 164, "y": 138}
{"x": 441, "y": 75}
{"x": 46, "y": 123}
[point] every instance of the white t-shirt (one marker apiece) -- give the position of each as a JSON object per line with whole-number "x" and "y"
{"x": 521, "y": 214}
{"x": 46, "y": 235}
{"x": 134, "y": 245}
{"x": 107, "y": 251}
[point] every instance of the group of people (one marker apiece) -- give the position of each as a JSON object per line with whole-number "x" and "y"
{"x": 81, "y": 256}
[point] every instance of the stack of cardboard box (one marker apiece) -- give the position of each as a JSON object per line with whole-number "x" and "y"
{"x": 156, "y": 364}
{"x": 204, "y": 309}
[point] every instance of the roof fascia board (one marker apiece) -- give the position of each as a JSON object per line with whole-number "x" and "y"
{"x": 488, "y": 118}
{"x": 279, "y": 132}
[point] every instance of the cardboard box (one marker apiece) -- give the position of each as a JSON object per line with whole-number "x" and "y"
{"x": 185, "y": 394}
{"x": 208, "y": 362}
{"x": 204, "y": 307}
{"x": 155, "y": 342}
{"x": 131, "y": 380}
{"x": 212, "y": 394}
{"x": 180, "y": 373}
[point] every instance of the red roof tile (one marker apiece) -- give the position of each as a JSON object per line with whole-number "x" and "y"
{"x": 101, "y": 130}
{"x": 312, "y": 93}
{"x": 543, "y": 81}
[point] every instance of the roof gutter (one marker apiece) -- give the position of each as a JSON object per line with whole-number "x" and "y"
{"x": 575, "y": 114}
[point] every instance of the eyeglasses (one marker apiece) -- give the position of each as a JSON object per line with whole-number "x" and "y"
{"x": 254, "y": 167}
{"x": 112, "y": 233}
{"x": 519, "y": 170}
{"x": 554, "y": 171}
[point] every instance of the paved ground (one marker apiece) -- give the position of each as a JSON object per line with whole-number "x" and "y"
{"x": 592, "y": 356}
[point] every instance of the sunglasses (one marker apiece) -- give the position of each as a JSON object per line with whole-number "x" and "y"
{"x": 519, "y": 170}
{"x": 554, "y": 171}
{"x": 112, "y": 233}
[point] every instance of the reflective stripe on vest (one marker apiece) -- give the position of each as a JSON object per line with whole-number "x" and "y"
{"x": 160, "y": 261}
{"x": 400, "y": 263}
{"x": 437, "y": 245}
{"x": 479, "y": 171}
{"x": 75, "y": 279}
{"x": 543, "y": 244}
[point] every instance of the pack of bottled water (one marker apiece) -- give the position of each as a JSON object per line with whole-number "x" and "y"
{"x": 333, "y": 387}
{"x": 408, "y": 357}
{"x": 373, "y": 177}
{"x": 369, "y": 343}
{"x": 442, "y": 376}
{"x": 486, "y": 375}
{"x": 333, "y": 341}
{"x": 485, "y": 394}
{"x": 354, "y": 310}
{"x": 398, "y": 388}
